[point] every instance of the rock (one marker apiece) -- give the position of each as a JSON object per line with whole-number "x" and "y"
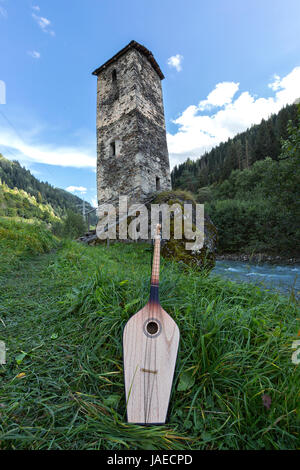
{"x": 88, "y": 237}
{"x": 175, "y": 249}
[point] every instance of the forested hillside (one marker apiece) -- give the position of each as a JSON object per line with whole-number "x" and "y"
{"x": 258, "y": 142}
{"x": 16, "y": 176}
{"x": 18, "y": 203}
{"x": 250, "y": 187}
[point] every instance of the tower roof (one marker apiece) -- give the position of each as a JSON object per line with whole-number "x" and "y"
{"x": 140, "y": 48}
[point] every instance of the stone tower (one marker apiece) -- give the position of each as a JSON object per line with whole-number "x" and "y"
{"x": 132, "y": 151}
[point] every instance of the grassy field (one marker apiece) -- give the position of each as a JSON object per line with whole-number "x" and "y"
{"x": 63, "y": 307}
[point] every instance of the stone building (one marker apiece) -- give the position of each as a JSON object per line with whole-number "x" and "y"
{"x": 132, "y": 153}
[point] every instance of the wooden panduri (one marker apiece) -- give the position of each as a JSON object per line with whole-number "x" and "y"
{"x": 150, "y": 344}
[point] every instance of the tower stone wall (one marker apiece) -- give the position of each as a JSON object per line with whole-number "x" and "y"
{"x": 132, "y": 151}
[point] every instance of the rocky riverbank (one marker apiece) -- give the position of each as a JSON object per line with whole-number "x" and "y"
{"x": 258, "y": 258}
{"x": 91, "y": 238}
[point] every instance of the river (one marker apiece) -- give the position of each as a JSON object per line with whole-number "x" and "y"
{"x": 284, "y": 278}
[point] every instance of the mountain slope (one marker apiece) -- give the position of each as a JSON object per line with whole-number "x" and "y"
{"x": 260, "y": 141}
{"x": 16, "y": 176}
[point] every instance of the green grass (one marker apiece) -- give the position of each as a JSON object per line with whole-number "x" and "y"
{"x": 20, "y": 238}
{"x": 62, "y": 315}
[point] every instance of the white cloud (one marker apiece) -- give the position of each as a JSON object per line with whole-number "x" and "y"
{"x": 34, "y": 54}
{"x": 2, "y": 92}
{"x": 276, "y": 84}
{"x": 41, "y": 21}
{"x": 73, "y": 189}
{"x": 3, "y": 12}
{"x": 35, "y": 172}
{"x": 44, "y": 24}
{"x": 176, "y": 61}
{"x": 199, "y": 132}
{"x": 29, "y": 151}
{"x": 36, "y": 8}
{"x": 94, "y": 201}
{"x": 23, "y": 136}
{"x": 221, "y": 95}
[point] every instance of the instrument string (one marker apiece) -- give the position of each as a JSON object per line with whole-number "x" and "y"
{"x": 150, "y": 314}
{"x": 147, "y": 366}
{"x": 152, "y": 311}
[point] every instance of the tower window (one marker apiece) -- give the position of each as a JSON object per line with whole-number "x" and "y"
{"x": 113, "y": 148}
{"x": 114, "y": 75}
{"x": 157, "y": 183}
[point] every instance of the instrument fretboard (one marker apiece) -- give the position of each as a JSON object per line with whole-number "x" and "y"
{"x": 156, "y": 262}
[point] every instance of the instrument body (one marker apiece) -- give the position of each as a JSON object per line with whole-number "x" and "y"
{"x": 150, "y": 345}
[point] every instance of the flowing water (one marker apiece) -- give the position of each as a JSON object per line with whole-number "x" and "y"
{"x": 285, "y": 278}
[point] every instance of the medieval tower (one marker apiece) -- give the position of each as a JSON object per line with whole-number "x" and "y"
{"x": 132, "y": 153}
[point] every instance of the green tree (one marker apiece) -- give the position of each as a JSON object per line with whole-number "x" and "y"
{"x": 73, "y": 225}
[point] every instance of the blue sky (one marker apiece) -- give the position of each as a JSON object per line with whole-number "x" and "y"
{"x": 227, "y": 63}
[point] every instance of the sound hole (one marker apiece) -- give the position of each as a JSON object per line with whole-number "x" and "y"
{"x": 152, "y": 327}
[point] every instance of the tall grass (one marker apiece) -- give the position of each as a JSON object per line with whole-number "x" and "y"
{"x": 20, "y": 238}
{"x": 62, "y": 387}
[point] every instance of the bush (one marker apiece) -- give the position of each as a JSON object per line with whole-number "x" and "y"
{"x": 254, "y": 225}
{"x": 72, "y": 226}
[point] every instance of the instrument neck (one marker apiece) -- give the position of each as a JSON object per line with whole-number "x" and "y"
{"x": 154, "y": 289}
